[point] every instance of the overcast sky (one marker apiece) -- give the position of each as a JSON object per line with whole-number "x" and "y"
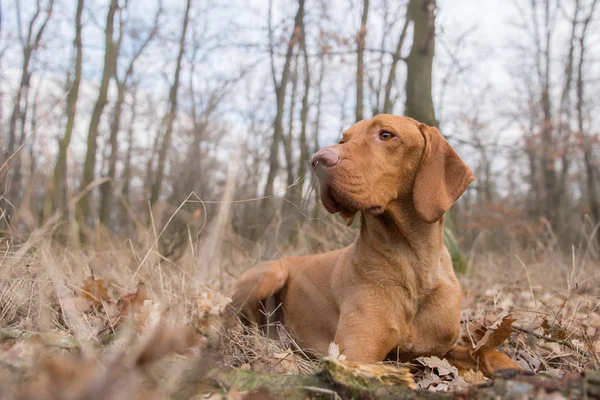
{"x": 235, "y": 35}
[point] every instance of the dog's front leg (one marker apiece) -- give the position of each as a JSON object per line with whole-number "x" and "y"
{"x": 365, "y": 337}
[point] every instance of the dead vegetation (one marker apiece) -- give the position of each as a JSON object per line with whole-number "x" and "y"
{"x": 116, "y": 319}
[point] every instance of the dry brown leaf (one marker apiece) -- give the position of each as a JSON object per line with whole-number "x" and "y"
{"x": 473, "y": 377}
{"x": 497, "y": 333}
{"x": 210, "y": 308}
{"x": 476, "y": 330}
{"x": 133, "y": 302}
{"x": 438, "y": 387}
{"x": 428, "y": 380}
{"x": 458, "y": 384}
{"x": 441, "y": 366}
{"x": 485, "y": 359}
{"x": 95, "y": 290}
{"x": 555, "y": 331}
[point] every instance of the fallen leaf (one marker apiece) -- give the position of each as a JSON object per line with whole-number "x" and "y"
{"x": 473, "y": 377}
{"x": 555, "y": 331}
{"x": 475, "y": 332}
{"x": 133, "y": 302}
{"x": 486, "y": 359}
{"x": 210, "y": 308}
{"x": 497, "y": 333}
{"x": 458, "y": 384}
{"x": 438, "y": 387}
{"x": 441, "y": 366}
{"x": 428, "y": 380}
{"x": 95, "y": 291}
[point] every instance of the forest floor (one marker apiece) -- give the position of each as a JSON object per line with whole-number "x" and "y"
{"x": 115, "y": 320}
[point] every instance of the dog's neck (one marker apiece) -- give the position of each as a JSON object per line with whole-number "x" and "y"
{"x": 400, "y": 239}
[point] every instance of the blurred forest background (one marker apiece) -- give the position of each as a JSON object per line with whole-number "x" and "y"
{"x": 121, "y": 115}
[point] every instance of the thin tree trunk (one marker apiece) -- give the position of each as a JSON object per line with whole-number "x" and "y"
{"x": 376, "y": 88}
{"x": 289, "y": 138}
{"x": 547, "y": 131}
{"x": 107, "y": 190}
{"x": 30, "y": 45}
{"x": 56, "y": 195}
{"x": 419, "y": 100}
{"x": 360, "y": 61}
{"x": 388, "y": 104}
{"x": 304, "y": 152}
{"x": 314, "y": 181}
{"x": 110, "y": 61}
{"x": 166, "y": 143}
{"x": 588, "y": 143}
{"x": 127, "y": 165}
{"x": 564, "y": 121}
{"x": 280, "y": 90}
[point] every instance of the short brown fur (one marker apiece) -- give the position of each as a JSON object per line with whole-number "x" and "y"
{"x": 392, "y": 291}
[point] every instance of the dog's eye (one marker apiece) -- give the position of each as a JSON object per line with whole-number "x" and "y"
{"x": 385, "y": 135}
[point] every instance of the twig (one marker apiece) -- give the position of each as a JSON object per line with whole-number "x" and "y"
{"x": 551, "y": 339}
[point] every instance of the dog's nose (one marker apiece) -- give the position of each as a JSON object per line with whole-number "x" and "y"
{"x": 326, "y": 158}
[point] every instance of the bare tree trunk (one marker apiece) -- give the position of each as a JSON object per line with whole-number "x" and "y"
{"x": 10, "y": 185}
{"x": 588, "y": 142}
{"x": 564, "y": 130}
{"x": 289, "y": 138}
{"x": 110, "y": 62}
{"x": 547, "y": 131}
{"x": 172, "y": 113}
{"x": 314, "y": 182}
{"x": 387, "y": 101}
{"x": 150, "y": 170}
{"x": 127, "y": 165}
{"x": 303, "y": 161}
{"x": 56, "y": 195}
{"x": 107, "y": 190}
{"x": 361, "y": 39}
{"x": 419, "y": 100}
{"x": 30, "y": 44}
{"x": 280, "y": 90}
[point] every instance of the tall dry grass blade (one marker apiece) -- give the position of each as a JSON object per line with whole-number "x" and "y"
{"x": 210, "y": 251}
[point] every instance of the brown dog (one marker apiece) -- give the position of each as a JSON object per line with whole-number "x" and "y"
{"x": 393, "y": 291}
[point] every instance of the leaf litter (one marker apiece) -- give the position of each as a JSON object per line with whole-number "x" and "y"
{"x": 539, "y": 329}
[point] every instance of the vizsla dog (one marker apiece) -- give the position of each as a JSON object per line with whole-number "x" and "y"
{"x": 393, "y": 291}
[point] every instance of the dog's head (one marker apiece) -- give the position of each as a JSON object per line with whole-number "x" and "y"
{"x": 386, "y": 158}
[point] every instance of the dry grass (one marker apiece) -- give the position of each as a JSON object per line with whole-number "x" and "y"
{"x": 555, "y": 301}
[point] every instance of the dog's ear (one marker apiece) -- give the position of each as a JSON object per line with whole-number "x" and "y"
{"x": 441, "y": 178}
